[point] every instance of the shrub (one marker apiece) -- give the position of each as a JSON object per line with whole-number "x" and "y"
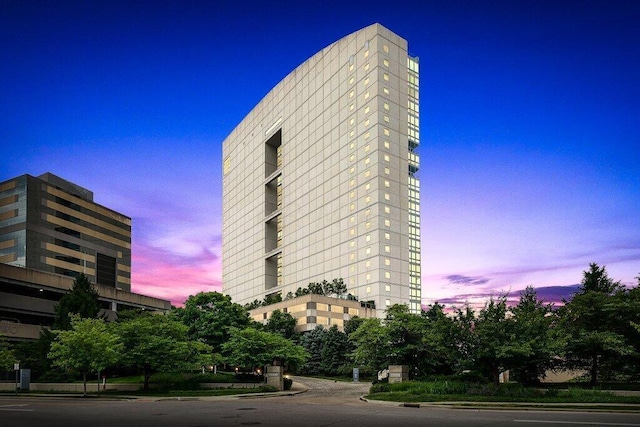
{"x": 380, "y": 388}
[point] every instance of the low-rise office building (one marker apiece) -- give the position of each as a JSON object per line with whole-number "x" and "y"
{"x": 313, "y": 310}
{"x": 28, "y": 298}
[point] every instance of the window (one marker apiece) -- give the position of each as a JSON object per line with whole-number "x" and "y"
{"x": 387, "y": 223}
{"x": 387, "y": 209}
{"x": 386, "y": 183}
{"x": 368, "y": 276}
{"x": 366, "y": 95}
{"x": 387, "y": 302}
{"x": 385, "y": 76}
{"x": 386, "y": 144}
{"x": 367, "y": 160}
{"x": 387, "y": 261}
{"x": 366, "y": 81}
{"x": 351, "y": 80}
{"x": 367, "y": 199}
{"x": 367, "y": 225}
{"x": 368, "y": 289}
{"x": 386, "y": 132}
{"x": 352, "y": 207}
{"x": 367, "y": 186}
{"x": 386, "y": 196}
{"x": 367, "y": 251}
{"x": 387, "y": 249}
{"x": 387, "y": 275}
{"x": 367, "y": 237}
{"x": 385, "y": 48}
{"x": 385, "y": 90}
{"x": 386, "y": 158}
{"x": 385, "y": 62}
{"x": 386, "y": 106}
{"x": 367, "y": 148}
{"x": 387, "y": 236}
{"x": 387, "y": 288}
{"x": 387, "y": 171}
{"x": 366, "y": 109}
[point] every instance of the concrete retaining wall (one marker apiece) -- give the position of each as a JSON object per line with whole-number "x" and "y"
{"x": 92, "y": 387}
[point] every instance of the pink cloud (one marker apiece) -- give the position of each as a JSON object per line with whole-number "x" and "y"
{"x": 162, "y": 274}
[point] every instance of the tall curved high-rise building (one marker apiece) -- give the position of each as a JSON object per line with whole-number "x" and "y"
{"x": 319, "y": 178}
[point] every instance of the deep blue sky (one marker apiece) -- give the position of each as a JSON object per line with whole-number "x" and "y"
{"x": 530, "y": 112}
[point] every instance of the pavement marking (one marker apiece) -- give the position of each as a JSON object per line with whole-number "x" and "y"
{"x": 12, "y": 408}
{"x": 591, "y": 423}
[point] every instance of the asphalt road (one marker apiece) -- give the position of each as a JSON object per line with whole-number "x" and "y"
{"x": 326, "y": 403}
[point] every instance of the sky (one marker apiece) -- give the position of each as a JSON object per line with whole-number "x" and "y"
{"x": 530, "y": 126}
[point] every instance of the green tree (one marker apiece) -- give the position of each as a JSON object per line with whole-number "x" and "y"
{"x": 591, "y": 324}
{"x": 251, "y": 348}
{"x": 81, "y": 300}
{"x": 405, "y": 332}
{"x": 535, "y": 344}
{"x": 596, "y": 279}
{"x": 283, "y": 324}
{"x": 154, "y": 343}
{"x": 312, "y": 342}
{"x": 372, "y": 343}
{"x": 492, "y": 336}
{"x": 7, "y": 356}
{"x": 335, "y": 351}
{"x": 441, "y": 337}
{"x": 87, "y": 347}
{"x": 210, "y": 316}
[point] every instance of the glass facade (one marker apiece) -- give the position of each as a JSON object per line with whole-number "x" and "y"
{"x": 413, "y": 130}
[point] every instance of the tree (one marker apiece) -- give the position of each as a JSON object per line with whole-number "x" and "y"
{"x": 81, "y": 300}
{"x": 406, "y": 344}
{"x": 87, "y": 347}
{"x": 251, "y": 348}
{"x": 441, "y": 337}
{"x": 210, "y": 316}
{"x": 335, "y": 351}
{"x": 283, "y": 324}
{"x": 154, "y": 343}
{"x": 536, "y": 345}
{"x": 7, "y": 357}
{"x": 591, "y": 324}
{"x": 596, "y": 279}
{"x": 372, "y": 344}
{"x": 312, "y": 342}
{"x": 493, "y": 335}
